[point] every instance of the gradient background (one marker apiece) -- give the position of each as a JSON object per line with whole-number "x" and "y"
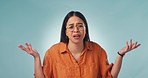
{"x": 111, "y": 24}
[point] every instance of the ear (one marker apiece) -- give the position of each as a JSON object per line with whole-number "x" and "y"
{"x": 66, "y": 34}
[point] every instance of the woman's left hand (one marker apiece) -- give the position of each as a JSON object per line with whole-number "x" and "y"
{"x": 129, "y": 47}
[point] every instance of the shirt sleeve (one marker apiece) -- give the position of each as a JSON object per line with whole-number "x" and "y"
{"x": 105, "y": 67}
{"x": 47, "y": 66}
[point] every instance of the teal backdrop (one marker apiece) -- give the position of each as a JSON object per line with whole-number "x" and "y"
{"x": 111, "y": 24}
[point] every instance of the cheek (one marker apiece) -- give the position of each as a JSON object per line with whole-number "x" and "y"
{"x": 84, "y": 32}
{"x": 67, "y": 33}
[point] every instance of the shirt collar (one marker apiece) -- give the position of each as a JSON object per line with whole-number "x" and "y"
{"x": 63, "y": 46}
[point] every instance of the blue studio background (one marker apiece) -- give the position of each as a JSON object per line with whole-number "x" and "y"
{"x": 111, "y": 24}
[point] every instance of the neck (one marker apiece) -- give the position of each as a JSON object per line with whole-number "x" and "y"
{"x": 75, "y": 48}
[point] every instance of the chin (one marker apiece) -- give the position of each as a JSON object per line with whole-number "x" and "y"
{"x": 77, "y": 41}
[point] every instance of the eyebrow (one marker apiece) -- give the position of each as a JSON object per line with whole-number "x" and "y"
{"x": 73, "y": 24}
{"x": 79, "y": 23}
{"x": 70, "y": 24}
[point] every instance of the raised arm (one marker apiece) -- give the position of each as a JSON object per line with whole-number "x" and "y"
{"x": 117, "y": 65}
{"x": 37, "y": 61}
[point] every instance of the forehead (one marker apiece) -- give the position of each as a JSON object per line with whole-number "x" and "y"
{"x": 74, "y": 19}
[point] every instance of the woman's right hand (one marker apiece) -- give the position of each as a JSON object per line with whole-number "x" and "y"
{"x": 29, "y": 50}
{"x": 37, "y": 63}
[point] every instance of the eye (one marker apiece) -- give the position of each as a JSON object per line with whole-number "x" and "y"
{"x": 80, "y": 26}
{"x": 70, "y": 27}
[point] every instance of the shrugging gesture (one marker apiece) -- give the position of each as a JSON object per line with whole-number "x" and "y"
{"x": 128, "y": 47}
{"x": 37, "y": 61}
{"x": 117, "y": 64}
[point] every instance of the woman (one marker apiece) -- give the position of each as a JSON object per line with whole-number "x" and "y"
{"x": 75, "y": 56}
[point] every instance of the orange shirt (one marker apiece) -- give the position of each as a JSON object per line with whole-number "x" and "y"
{"x": 59, "y": 62}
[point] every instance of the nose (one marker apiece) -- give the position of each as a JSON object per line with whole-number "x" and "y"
{"x": 75, "y": 29}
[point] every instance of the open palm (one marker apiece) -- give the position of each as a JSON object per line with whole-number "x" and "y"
{"x": 29, "y": 50}
{"x": 129, "y": 47}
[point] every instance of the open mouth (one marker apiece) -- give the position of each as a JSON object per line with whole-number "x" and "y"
{"x": 76, "y": 36}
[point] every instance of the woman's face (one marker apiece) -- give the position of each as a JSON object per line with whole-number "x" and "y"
{"x": 75, "y": 29}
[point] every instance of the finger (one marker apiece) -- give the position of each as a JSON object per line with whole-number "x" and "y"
{"x": 27, "y": 46}
{"x": 138, "y": 45}
{"x": 131, "y": 43}
{"x": 127, "y": 47}
{"x": 134, "y": 45}
{"x": 32, "y": 50}
{"x": 30, "y": 46}
{"x": 22, "y": 47}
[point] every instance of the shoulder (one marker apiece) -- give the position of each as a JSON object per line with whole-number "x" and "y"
{"x": 56, "y": 48}
{"x": 96, "y": 47}
{"x": 94, "y": 44}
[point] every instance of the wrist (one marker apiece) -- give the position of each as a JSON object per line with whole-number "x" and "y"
{"x": 37, "y": 57}
{"x": 120, "y": 54}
